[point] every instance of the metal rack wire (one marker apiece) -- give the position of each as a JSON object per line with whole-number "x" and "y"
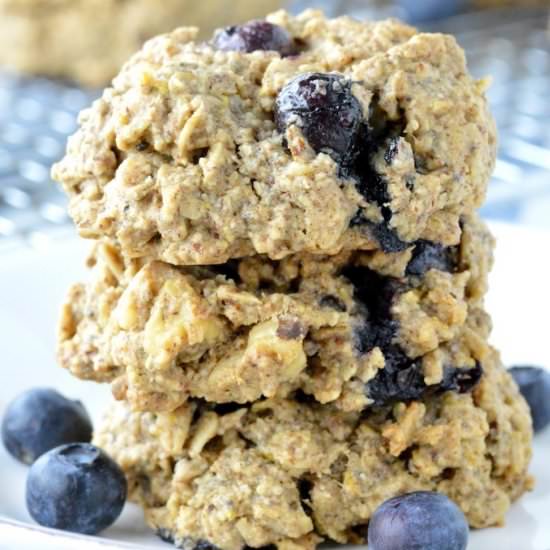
{"x": 37, "y": 115}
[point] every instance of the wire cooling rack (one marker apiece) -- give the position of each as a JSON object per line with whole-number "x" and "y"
{"x": 37, "y": 115}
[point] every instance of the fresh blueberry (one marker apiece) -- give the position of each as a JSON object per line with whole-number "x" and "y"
{"x": 534, "y": 384}
{"x": 418, "y": 521}
{"x": 325, "y": 109}
{"x": 77, "y": 488}
{"x": 253, "y": 36}
{"x": 40, "y": 420}
{"x": 429, "y": 255}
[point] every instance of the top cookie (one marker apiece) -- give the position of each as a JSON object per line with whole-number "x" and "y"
{"x": 300, "y": 134}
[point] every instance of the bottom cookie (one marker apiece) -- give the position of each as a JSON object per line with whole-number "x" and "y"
{"x": 293, "y": 473}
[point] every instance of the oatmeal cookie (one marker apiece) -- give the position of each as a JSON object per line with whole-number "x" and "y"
{"x": 359, "y": 328}
{"x": 292, "y": 472}
{"x": 89, "y": 40}
{"x": 292, "y": 135}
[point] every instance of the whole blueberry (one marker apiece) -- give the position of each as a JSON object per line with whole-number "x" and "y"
{"x": 253, "y": 36}
{"x": 324, "y": 107}
{"x": 418, "y": 521}
{"x": 534, "y": 384}
{"x": 77, "y": 488}
{"x": 40, "y": 420}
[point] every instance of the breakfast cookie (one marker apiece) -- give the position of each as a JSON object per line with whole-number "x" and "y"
{"x": 359, "y": 328}
{"x": 292, "y": 473}
{"x": 89, "y": 40}
{"x": 295, "y": 134}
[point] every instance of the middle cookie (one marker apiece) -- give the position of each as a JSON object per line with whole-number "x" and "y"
{"x": 356, "y": 329}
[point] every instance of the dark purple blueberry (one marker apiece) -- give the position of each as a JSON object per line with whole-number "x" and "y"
{"x": 375, "y": 295}
{"x": 324, "y": 107}
{"x": 77, "y": 488}
{"x": 253, "y": 36}
{"x": 418, "y": 521}
{"x": 373, "y": 290}
{"x": 534, "y": 385}
{"x": 429, "y": 255}
{"x": 392, "y": 149}
{"x": 40, "y": 420}
{"x": 372, "y": 185}
{"x": 387, "y": 238}
{"x": 460, "y": 380}
{"x": 402, "y": 379}
{"x": 374, "y": 188}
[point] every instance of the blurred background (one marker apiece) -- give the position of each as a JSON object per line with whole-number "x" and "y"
{"x": 507, "y": 39}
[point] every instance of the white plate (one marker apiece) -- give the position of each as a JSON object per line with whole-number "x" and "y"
{"x": 33, "y": 283}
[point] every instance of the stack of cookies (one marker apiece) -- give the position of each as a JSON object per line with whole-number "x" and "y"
{"x": 286, "y": 290}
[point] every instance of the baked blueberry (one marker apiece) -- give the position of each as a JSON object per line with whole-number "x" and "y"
{"x": 534, "y": 384}
{"x": 461, "y": 380}
{"x": 418, "y": 521}
{"x": 402, "y": 379}
{"x": 77, "y": 488}
{"x": 375, "y": 295}
{"x": 387, "y": 238}
{"x": 324, "y": 107}
{"x": 40, "y": 420}
{"x": 253, "y": 36}
{"x": 429, "y": 255}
